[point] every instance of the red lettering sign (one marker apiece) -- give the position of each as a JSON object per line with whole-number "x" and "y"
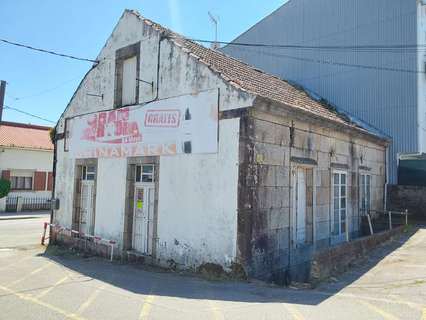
{"x": 162, "y": 118}
{"x": 112, "y": 127}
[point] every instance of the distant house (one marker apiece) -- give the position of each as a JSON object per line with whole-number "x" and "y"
{"x": 188, "y": 157}
{"x": 26, "y": 159}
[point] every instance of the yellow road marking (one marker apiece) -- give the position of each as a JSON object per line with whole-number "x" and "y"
{"x": 214, "y": 307}
{"x": 295, "y": 313}
{"x": 147, "y": 306}
{"x": 90, "y": 300}
{"x": 424, "y": 313}
{"x": 48, "y": 264}
{"x": 378, "y": 310}
{"x": 41, "y": 303}
{"x": 43, "y": 293}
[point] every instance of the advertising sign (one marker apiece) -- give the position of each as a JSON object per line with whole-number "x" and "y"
{"x": 185, "y": 124}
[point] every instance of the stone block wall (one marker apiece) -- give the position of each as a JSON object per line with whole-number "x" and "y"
{"x": 272, "y": 148}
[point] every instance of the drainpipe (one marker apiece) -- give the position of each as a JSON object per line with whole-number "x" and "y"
{"x": 385, "y": 202}
{"x": 290, "y": 222}
{"x": 162, "y": 37}
{"x": 55, "y": 147}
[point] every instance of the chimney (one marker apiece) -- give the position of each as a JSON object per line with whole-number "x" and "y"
{"x": 2, "y": 92}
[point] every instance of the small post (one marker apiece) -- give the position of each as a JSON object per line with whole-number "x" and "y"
{"x": 406, "y": 216}
{"x": 112, "y": 251}
{"x": 369, "y": 223}
{"x": 43, "y": 237}
{"x": 390, "y": 220}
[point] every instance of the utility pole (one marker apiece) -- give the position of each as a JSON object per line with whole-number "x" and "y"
{"x": 2, "y": 92}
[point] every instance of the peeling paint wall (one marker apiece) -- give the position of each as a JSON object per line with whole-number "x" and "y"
{"x": 266, "y": 217}
{"x": 197, "y": 198}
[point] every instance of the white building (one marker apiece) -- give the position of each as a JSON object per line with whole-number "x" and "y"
{"x": 186, "y": 156}
{"x": 26, "y": 159}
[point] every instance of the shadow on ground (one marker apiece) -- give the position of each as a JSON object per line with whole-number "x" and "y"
{"x": 145, "y": 280}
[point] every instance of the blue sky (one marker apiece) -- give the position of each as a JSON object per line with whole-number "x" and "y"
{"x": 43, "y": 84}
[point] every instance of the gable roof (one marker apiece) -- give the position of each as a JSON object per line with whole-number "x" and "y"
{"x": 252, "y": 80}
{"x": 26, "y": 136}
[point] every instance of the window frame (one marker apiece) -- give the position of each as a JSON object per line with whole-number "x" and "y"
{"x": 24, "y": 188}
{"x": 86, "y": 174}
{"x": 340, "y": 208}
{"x": 121, "y": 55}
{"x": 140, "y": 173}
{"x": 365, "y": 192}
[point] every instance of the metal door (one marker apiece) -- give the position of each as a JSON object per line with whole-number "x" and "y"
{"x": 301, "y": 206}
{"x": 143, "y": 218}
{"x": 86, "y": 207}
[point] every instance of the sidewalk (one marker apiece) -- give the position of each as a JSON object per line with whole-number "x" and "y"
{"x": 23, "y": 215}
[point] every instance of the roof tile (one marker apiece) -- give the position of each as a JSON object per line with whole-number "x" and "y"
{"x": 19, "y": 135}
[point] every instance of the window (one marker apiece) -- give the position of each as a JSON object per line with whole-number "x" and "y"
{"x": 145, "y": 173}
{"x": 365, "y": 193}
{"x": 21, "y": 183}
{"x": 127, "y": 60}
{"x": 339, "y": 202}
{"x": 129, "y": 82}
{"x": 88, "y": 173}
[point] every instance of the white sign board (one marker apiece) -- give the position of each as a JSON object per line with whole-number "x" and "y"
{"x": 185, "y": 124}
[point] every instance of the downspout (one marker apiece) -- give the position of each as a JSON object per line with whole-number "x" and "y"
{"x": 55, "y": 146}
{"x": 290, "y": 222}
{"x": 162, "y": 37}
{"x": 385, "y": 202}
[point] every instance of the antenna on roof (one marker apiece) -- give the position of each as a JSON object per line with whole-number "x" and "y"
{"x": 215, "y": 21}
{"x": 2, "y": 93}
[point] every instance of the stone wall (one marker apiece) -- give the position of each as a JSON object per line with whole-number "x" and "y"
{"x": 273, "y": 147}
{"x": 332, "y": 261}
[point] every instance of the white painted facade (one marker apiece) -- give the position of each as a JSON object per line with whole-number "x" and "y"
{"x": 232, "y": 206}
{"x": 24, "y": 162}
{"x": 197, "y": 208}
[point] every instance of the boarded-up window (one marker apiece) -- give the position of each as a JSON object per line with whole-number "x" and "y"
{"x": 127, "y": 60}
{"x": 129, "y": 81}
{"x": 39, "y": 181}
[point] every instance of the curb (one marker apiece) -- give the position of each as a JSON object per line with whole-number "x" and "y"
{"x": 20, "y": 217}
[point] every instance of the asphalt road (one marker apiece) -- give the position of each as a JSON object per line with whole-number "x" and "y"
{"x": 40, "y": 284}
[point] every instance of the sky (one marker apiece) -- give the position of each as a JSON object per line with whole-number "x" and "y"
{"x": 43, "y": 84}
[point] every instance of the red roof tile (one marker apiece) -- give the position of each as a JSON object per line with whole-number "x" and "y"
{"x": 19, "y": 135}
{"x": 257, "y": 82}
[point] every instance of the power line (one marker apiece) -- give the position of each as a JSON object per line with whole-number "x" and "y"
{"x": 45, "y": 90}
{"x": 290, "y": 46}
{"x": 342, "y": 64}
{"x": 28, "y": 114}
{"x": 47, "y": 51}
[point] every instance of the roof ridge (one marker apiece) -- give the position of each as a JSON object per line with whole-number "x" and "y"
{"x": 24, "y": 125}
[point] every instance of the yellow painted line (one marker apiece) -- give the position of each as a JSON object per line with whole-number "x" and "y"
{"x": 383, "y": 313}
{"x": 90, "y": 300}
{"x": 215, "y": 309}
{"x": 147, "y": 306}
{"x": 294, "y": 312}
{"x": 48, "y": 264}
{"x": 424, "y": 313}
{"x": 41, "y": 303}
{"x": 44, "y": 292}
